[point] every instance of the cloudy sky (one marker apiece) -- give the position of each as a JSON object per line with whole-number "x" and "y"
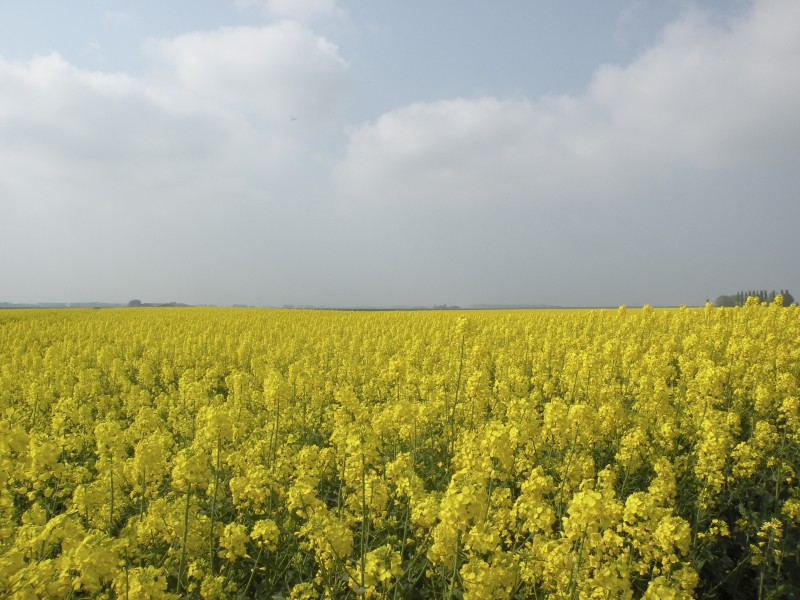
{"x": 376, "y": 153}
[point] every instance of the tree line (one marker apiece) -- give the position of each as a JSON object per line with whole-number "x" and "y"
{"x": 739, "y": 298}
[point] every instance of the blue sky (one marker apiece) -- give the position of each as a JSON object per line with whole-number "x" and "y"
{"x": 370, "y": 153}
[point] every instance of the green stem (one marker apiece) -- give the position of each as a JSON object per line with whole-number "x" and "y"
{"x": 111, "y": 511}
{"x": 213, "y": 512}
{"x": 764, "y": 568}
{"x": 576, "y": 567}
{"x": 455, "y": 400}
{"x": 274, "y": 449}
{"x": 253, "y": 572}
{"x": 141, "y": 499}
{"x": 127, "y": 585}
{"x": 402, "y": 549}
{"x": 363, "y": 513}
{"x": 182, "y": 563}
{"x": 455, "y": 566}
{"x": 566, "y": 474}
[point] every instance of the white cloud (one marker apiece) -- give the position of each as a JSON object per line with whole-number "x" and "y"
{"x": 190, "y": 182}
{"x": 706, "y": 96}
{"x": 66, "y": 130}
{"x": 299, "y": 10}
{"x": 280, "y": 71}
{"x": 217, "y": 105}
{"x": 155, "y": 179}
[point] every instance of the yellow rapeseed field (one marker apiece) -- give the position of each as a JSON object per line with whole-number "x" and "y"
{"x": 223, "y": 453}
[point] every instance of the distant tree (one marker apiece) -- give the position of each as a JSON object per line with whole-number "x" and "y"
{"x": 725, "y": 301}
{"x": 739, "y": 298}
{"x": 135, "y": 303}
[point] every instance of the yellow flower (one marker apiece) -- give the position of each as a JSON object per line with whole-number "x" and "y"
{"x": 190, "y": 469}
{"x": 233, "y": 542}
{"x": 266, "y": 533}
{"x": 142, "y": 583}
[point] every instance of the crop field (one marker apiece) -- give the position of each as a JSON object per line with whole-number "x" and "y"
{"x": 224, "y": 453}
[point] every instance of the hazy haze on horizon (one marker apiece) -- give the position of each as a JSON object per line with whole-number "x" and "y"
{"x": 361, "y": 153}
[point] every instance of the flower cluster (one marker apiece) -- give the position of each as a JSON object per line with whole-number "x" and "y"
{"x": 217, "y": 453}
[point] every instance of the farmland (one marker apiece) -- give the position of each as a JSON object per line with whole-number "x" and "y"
{"x": 215, "y": 453}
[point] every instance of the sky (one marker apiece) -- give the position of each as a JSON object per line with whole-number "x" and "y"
{"x": 375, "y": 153}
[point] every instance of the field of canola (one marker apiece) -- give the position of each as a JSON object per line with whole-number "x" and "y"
{"x": 223, "y": 453}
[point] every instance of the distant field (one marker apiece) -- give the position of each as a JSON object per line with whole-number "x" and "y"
{"x": 212, "y": 453}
